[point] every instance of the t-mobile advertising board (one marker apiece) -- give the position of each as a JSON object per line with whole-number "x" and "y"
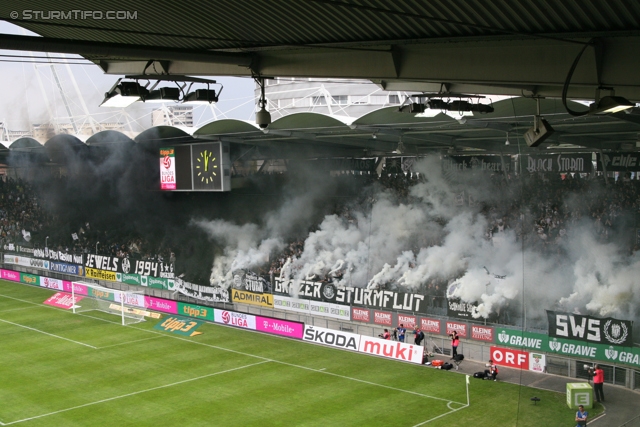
{"x": 159, "y": 304}
{"x": 391, "y": 349}
{"x": 280, "y": 327}
{"x": 14, "y": 276}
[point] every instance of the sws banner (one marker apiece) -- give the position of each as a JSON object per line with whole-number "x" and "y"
{"x": 370, "y": 298}
{"x": 595, "y": 330}
{"x": 126, "y": 265}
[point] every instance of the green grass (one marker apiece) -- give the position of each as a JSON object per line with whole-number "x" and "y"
{"x": 61, "y": 369}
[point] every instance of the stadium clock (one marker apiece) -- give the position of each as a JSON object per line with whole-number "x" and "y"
{"x": 206, "y": 166}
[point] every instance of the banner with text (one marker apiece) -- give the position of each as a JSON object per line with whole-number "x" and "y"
{"x": 201, "y": 292}
{"x": 126, "y": 265}
{"x": 591, "y": 329}
{"x": 312, "y": 308}
{"x": 252, "y": 298}
{"x": 560, "y": 163}
{"x": 370, "y": 298}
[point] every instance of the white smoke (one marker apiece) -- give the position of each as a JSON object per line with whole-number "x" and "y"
{"x": 386, "y": 244}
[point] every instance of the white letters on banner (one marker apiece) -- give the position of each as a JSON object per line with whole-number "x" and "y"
{"x": 316, "y": 308}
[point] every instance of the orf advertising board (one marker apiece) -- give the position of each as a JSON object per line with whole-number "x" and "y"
{"x": 510, "y": 357}
{"x": 167, "y": 169}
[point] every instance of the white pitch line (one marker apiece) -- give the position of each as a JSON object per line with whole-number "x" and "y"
{"x": 134, "y": 393}
{"x": 320, "y": 371}
{"x": 47, "y": 333}
{"x": 16, "y": 309}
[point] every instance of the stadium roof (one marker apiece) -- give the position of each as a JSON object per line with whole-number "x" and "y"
{"x": 311, "y": 135}
{"x": 474, "y": 46}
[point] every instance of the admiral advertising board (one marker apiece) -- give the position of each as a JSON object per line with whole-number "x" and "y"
{"x": 338, "y": 339}
{"x": 590, "y": 329}
{"x": 314, "y": 308}
{"x": 252, "y": 298}
{"x": 369, "y": 298}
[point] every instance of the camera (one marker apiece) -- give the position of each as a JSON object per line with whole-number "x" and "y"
{"x": 263, "y": 118}
{"x": 488, "y": 365}
{"x": 586, "y": 367}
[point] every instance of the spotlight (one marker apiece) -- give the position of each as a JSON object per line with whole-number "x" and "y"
{"x": 610, "y": 104}
{"x": 201, "y": 96}
{"x": 540, "y": 131}
{"x": 507, "y": 141}
{"x": 164, "y": 94}
{"x": 123, "y": 94}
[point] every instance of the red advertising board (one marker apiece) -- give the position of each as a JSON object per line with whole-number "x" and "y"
{"x": 407, "y": 321}
{"x": 482, "y": 333}
{"x": 510, "y": 357}
{"x": 383, "y": 317}
{"x": 360, "y": 314}
{"x": 433, "y": 326}
{"x": 460, "y": 328}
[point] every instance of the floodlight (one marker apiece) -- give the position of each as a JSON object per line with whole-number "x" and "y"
{"x": 610, "y": 104}
{"x": 123, "y": 94}
{"x": 164, "y": 94}
{"x": 201, "y": 96}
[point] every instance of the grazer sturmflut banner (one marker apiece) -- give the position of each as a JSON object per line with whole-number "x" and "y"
{"x": 201, "y": 292}
{"x": 606, "y": 330}
{"x": 322, "y": 291}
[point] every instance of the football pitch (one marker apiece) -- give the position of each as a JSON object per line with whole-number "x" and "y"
{"x": 63, "y": 369}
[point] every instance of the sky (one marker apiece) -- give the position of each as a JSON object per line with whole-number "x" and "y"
{"x": 31, "y": 94}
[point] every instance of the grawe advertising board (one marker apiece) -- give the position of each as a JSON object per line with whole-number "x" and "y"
{"x": 460, "y": 328}
{"x": 167, "y": 168}
{"x": 314, "y": 308}
{"x": 510, "y": 357}
{"x": 252, "y": 298}
{"x": 391, "y": 349}
{"x": 433, "y": 326}
{"x": 232, "y": 318}
{"x": 338, "y": 339}
{"x": 280, "y": 327}
{"x": 590, "y": 329}
{"x": 522, "y": 339}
